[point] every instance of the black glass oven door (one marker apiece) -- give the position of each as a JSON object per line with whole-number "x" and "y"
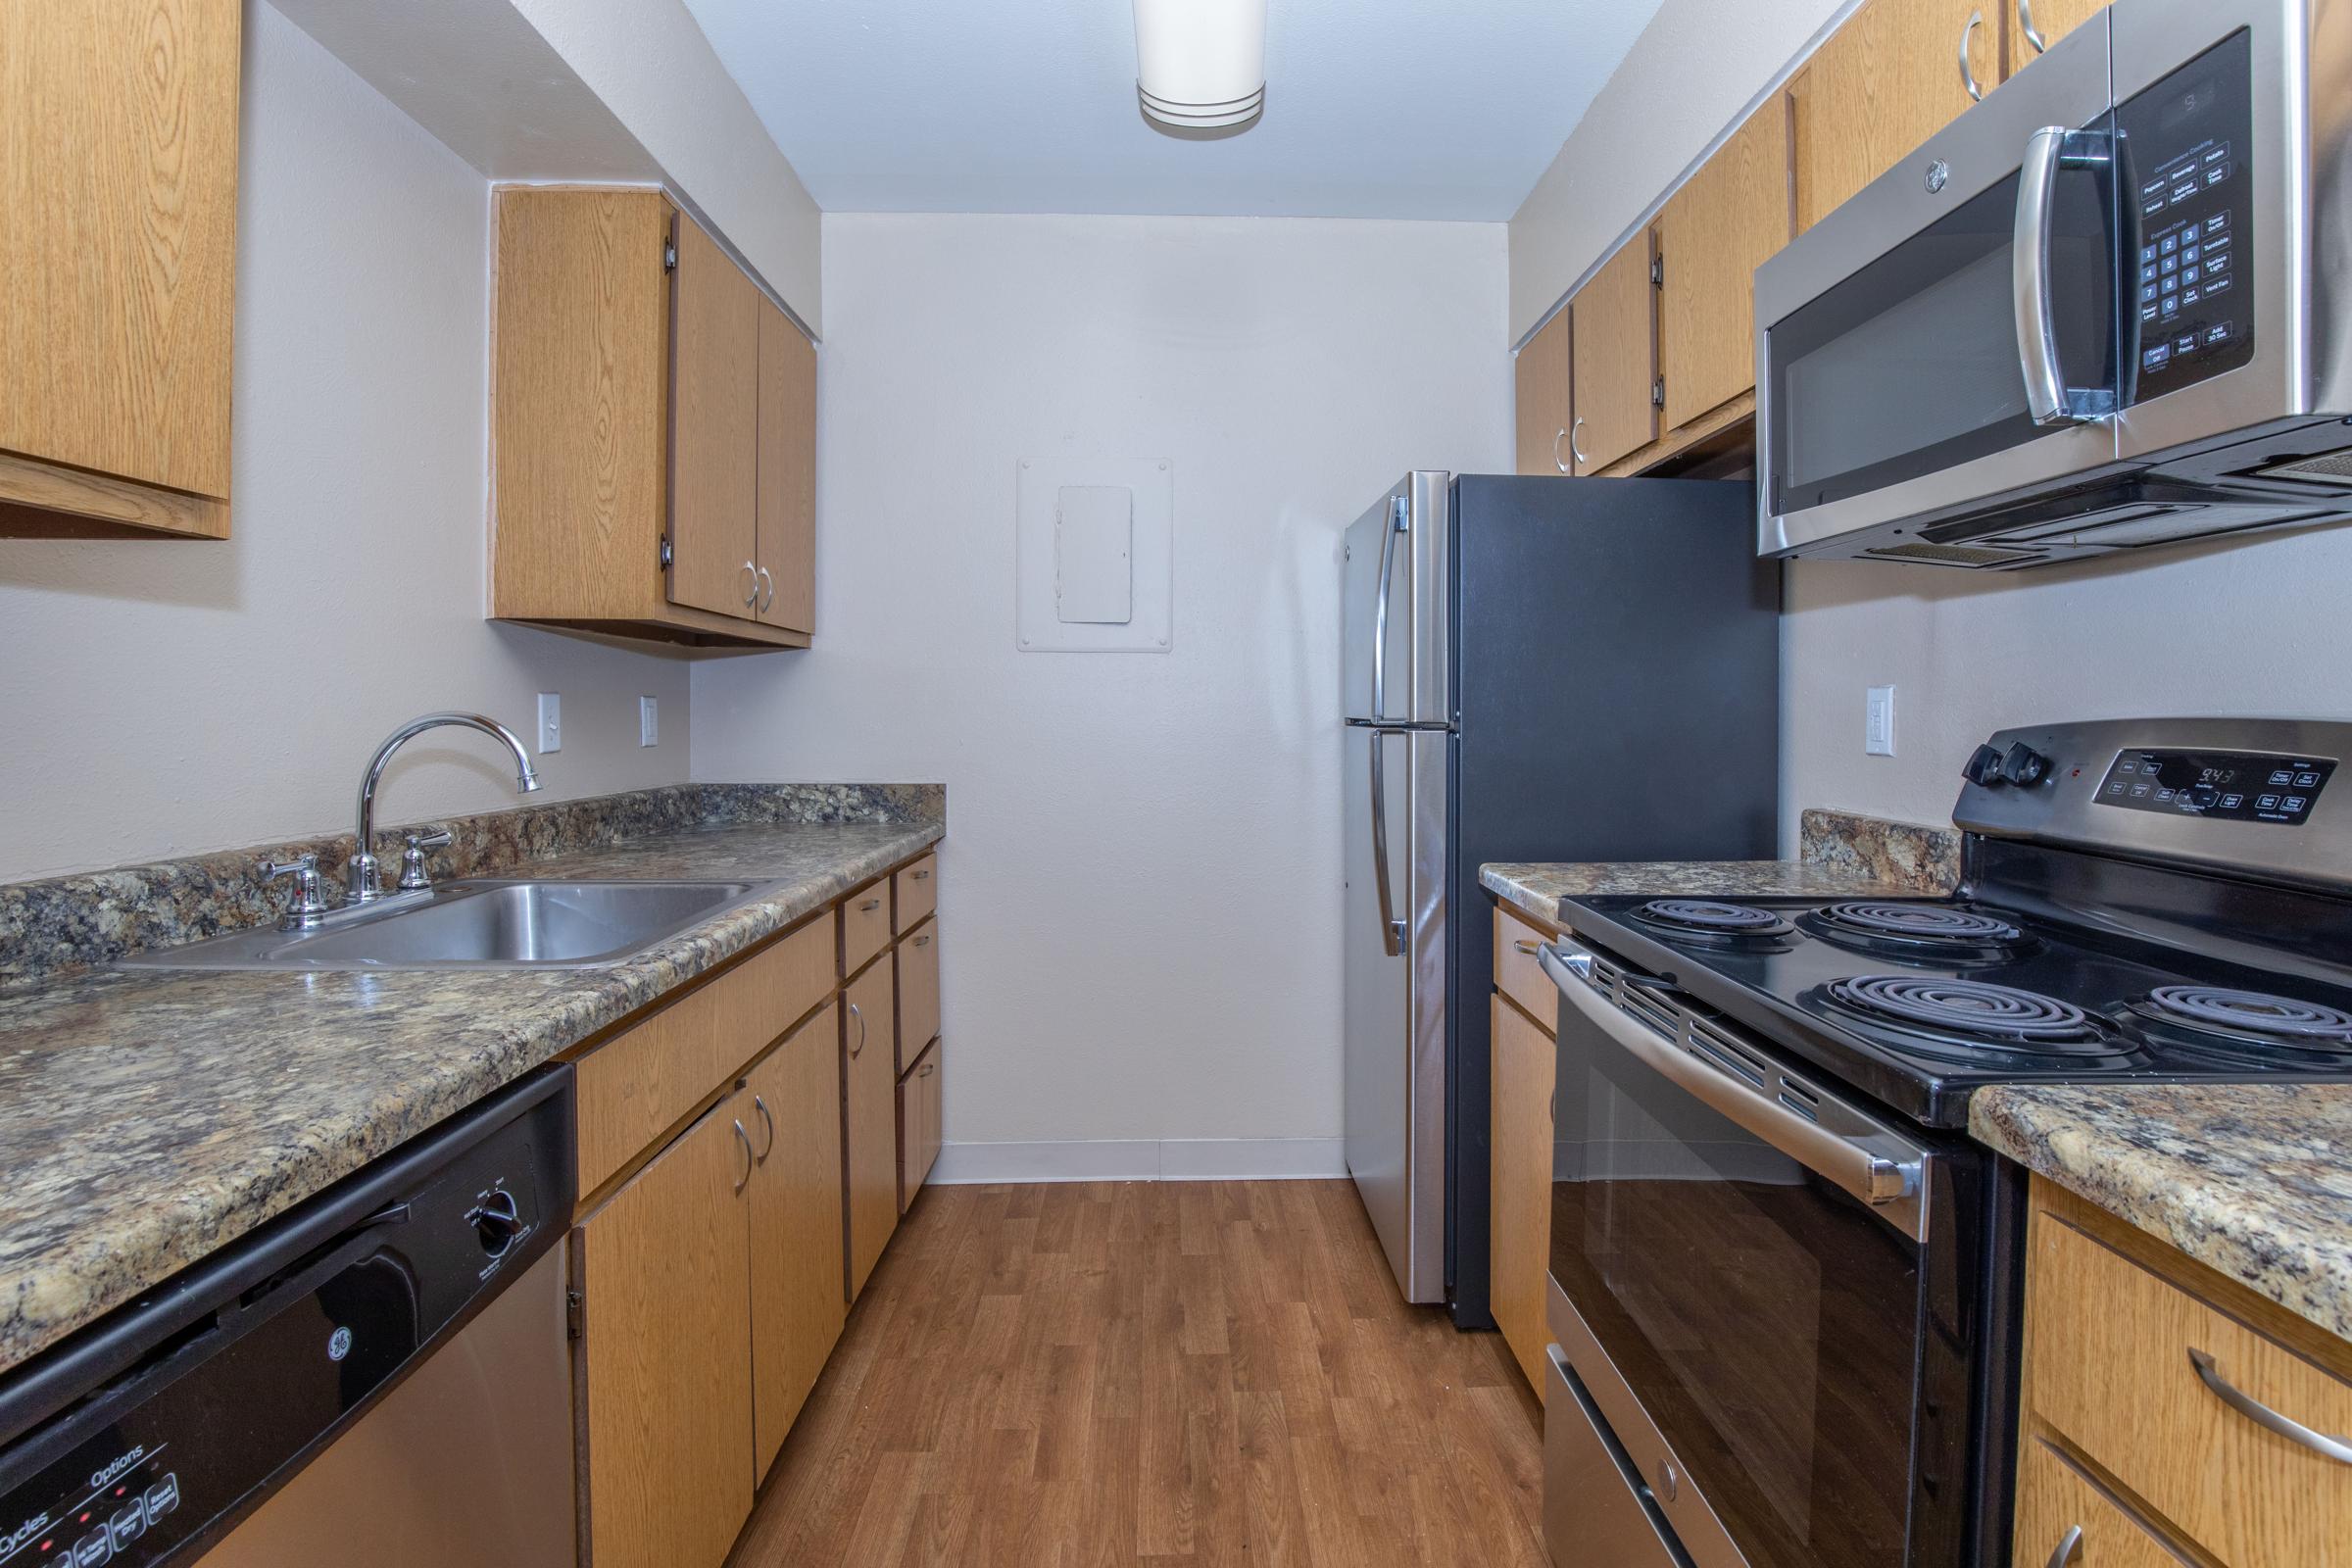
{"x": 1801, "y": 1353}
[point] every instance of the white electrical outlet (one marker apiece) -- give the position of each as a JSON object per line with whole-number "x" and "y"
{"x": 551, "y": 722}
{"x": 649, "y": 721}
{"x": 1878, "y": 722}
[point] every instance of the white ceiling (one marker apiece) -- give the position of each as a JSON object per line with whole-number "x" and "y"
{"x": 1439, "y": 108}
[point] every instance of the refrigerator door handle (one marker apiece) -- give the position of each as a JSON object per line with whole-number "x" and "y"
{"x": 1400, "y": 521}
{"x": 1392, "y": 929}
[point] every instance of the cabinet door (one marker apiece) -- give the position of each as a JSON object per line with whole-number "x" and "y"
{"x": 918, "y": 993}
{"x": 1542, "y": 378}
{"x": 1519, "y": 1205}
{"x": 1713, "y": 234}
{"x": 796, "y": 1225}
{"x": 872, "y": 1154}
{"x": 1884, "y": 83}
{"x": 1614, "y": 350}
{"x": 118, "y": 174}
{"x": 714, "y": 391}
{"x": 920, "y": 1122}
{"x": 2022, "y": 21}
{"x": 664, "y": 1363}
{"x": 787, "y": 472}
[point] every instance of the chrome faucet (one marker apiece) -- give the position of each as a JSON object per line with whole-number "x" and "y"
{"x": 362, "y": 877}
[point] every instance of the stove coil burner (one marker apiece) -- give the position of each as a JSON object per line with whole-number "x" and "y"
{"x": 1919, "y": 922}
{"x": 1971, "y": 1009}
{"x": 2272, "y": 1020}
{"x": 1709, "y": 918}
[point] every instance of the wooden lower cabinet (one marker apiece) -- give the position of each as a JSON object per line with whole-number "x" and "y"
{"x": 919, "y": 1109}
{"x": 918, "y": 993}
{"x": 794, "y": 1219}
{"x": 664, "y": 1407}
{"x": 870, "y": 1084}
{"x": 2055, "y": 1500}
{"x": 1519, "y": 1199}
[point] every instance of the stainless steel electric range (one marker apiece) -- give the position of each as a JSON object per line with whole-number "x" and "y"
{"x": 1785, "y": 1281}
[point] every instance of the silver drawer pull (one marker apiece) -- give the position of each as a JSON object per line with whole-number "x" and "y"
{"x": 2263, "y": 1415}
{"x": 869, "y": 906}
{"x": 922, "y": 940}
{"x": 1531, "y": 948}
{"x": 928, "y": 1069}
{"x": 2068, "y": 1548}
{"x": 922, "y": 876}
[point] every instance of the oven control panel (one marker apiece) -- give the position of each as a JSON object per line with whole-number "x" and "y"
{"x": 2233, "y": 786}
{"x": 2189, "y": 194}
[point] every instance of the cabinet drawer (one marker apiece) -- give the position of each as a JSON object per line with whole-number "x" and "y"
{"x": 2112, "y": 1371}
{"x": 918, "y": 993}
{"x": 918, "y": 1125}
{"x": 635, "y": 1087}
{"x": 2055, "y": 1499}
{"x": 865, "y": 926}
{"x": 1517, "y": 974}
{"x": 768, "y": 993}
{"x": 914, "y": 890}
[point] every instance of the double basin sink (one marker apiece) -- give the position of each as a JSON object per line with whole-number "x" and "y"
{"x": 482, "y": 924}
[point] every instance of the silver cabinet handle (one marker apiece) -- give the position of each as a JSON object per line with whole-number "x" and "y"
{"x": 1531, "y": 948}
{"x": 2066, "y": 1548}
{"x": 928, "y": 1069}
{"x": 1575, "y": 450}
{"x": 923, "y": 941}
{"x": 760, "y": 1106}
{"x": 869, "y": 906}
{"x": 745, "y": 1139}
{"x": 1967, "y": 71}
{"x": 2024, "y": 23}
{"x": 856, "y": 1014}
{"x": 750, "y": 574}
{"x": 1558, "y": 436}
{"x": 924, "y": 875}
{"x": 768, "y": 597}
{"x": 1868, "y": 1160}
{"x": 2263, "y": 1415}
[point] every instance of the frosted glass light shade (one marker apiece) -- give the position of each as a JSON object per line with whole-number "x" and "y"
{"x": 1201, "y": 63}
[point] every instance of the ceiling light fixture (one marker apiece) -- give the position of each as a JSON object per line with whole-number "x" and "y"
{"x": 1201, "y": 64}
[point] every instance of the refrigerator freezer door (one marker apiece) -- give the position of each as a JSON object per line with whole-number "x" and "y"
{"x": 1394, "y": 584}
{"x": 1395, "y": 1002}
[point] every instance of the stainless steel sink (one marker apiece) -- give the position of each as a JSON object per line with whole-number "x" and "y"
{"x": 480, "y": 924}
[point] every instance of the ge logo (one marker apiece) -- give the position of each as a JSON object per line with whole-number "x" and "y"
{"x": 1939, "y": 173}
{"x": 338, "y": 1345}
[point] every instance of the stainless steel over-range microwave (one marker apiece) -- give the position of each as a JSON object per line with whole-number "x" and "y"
{"x": 2108, "y": 307}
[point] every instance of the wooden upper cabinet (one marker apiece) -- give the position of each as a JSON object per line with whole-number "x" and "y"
{"x": 1880, "y": 85}
{"x": 663, "y": 1269}
{"x": 118, "y": 266}
{"x": 626, "y": 417}
{"x": 715, "y": 430}
{"x": 1614, "y": 352}
{"x": 795, "y": 1196}
{"x": 1727, "y": 221}
{"x": 2025, "y": 21}
{"x": 1542, "y": 378}
{"x": 787, "y": 472}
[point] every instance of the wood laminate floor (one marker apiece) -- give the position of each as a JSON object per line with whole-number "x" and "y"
{"x": 1152, "y": 1373}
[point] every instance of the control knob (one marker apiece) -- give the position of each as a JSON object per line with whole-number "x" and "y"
{"x": 2025, "y": 765}
{"x": 496, "y": 1222}
{"x": 1984, "y": 767}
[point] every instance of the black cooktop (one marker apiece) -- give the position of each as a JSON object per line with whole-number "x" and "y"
{"x": 1919, "y": 1001}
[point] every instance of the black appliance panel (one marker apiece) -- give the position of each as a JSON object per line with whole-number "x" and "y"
{"x": 2235, "y": 786}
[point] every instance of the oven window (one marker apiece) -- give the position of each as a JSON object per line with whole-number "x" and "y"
{"x": 1911, "y": 365}
{"x": 1767, "y": 1322}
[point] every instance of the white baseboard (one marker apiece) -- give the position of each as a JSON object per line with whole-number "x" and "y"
{"x": 1144, "y": 1159}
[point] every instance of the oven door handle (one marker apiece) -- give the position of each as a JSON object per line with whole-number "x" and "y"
{"x": 1879, "y": 1168}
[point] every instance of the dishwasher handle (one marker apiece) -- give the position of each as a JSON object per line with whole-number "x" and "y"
{"x": 1836, "y": 1141}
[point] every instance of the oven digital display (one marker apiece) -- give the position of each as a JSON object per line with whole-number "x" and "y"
{"x": 2233, "y": 786}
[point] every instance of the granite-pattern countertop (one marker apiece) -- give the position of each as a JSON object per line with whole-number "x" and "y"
{"x": 2254, "y": 1180}
{"x": 156, "y": 1116}
{"x": 1538, "y": 888}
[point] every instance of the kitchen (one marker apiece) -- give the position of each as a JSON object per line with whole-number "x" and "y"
{"x": 846, "y": 416}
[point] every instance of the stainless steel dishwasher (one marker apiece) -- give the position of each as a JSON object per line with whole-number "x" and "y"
{"x": 379, "y": 1377}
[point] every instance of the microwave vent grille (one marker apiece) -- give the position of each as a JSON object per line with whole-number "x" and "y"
{"x": 1953, "y": 555}
{"x": 2328, "y": 467}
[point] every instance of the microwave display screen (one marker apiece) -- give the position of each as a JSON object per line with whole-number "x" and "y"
{"x": 2189, "y": 192}
{"x": 2233, "y": 786}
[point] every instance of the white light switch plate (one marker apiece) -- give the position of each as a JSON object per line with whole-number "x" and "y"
{"x": 551, "y": 721}
{"x": 1878, "y": 722}
{"x": 649, "y": 721}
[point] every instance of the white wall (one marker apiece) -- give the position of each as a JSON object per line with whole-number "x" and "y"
{"x": 163, "y": 698}
{"x": 1694, "y": 69}
{"x": 1141, "y": 887}
{"x": 2254, "y": 629}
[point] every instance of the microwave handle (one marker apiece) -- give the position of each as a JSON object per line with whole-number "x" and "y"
{"x": 2048, "y": 398}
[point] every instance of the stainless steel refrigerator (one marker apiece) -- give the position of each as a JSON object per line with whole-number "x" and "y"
{"x": 1534, "y": 670}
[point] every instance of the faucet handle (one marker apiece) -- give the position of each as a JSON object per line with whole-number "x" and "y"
{"x": 412, "y": 874}
{"x": 310, "y": 902}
